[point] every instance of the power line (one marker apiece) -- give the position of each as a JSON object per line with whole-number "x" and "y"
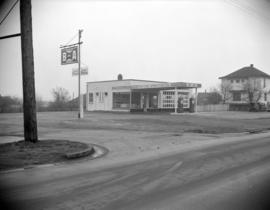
{"x": 10, "y": 36}
{"x": 9, "y": 11}
{"x": 72, "y": 39}
{"x": 263, "y": 15}
{"x": 249, "y": 10}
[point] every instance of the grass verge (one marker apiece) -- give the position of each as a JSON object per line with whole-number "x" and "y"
{"x": 22, "y": 154}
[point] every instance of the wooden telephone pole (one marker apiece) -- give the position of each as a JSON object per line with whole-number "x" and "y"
{"x": 29, "y": 98}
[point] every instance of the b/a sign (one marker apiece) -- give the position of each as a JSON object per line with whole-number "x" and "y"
{"x": 69, "y": 55}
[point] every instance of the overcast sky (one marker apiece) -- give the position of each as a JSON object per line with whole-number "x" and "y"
{"x": 174, "y": 41}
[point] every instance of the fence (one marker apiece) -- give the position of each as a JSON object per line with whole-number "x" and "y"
{"x": 213, "y": 108}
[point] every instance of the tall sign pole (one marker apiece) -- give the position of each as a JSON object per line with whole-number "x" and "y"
{"x": 80, "y": 98}
{"x": 72, "y": 54}
{"x": 29, "y": 99}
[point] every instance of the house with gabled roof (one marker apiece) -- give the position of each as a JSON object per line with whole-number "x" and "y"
{"x": 246, "y": 86}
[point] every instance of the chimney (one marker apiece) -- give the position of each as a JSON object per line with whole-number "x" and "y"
{"x": 120, "y": 77}
{"x": 251, "y": 65}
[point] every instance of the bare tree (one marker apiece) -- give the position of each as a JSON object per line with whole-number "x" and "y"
{"x": 254, "y": 90}
{"x": 225, "y": 88}
{"x": 61, "y": 98}
{"x": 10, "y": 104}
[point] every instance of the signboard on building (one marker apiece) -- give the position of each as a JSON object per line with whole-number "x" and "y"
{"x": 69, "y": 55}
{"x": 75, "y": 71}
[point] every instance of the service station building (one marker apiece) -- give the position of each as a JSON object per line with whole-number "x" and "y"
{"x": 141, "y": 95}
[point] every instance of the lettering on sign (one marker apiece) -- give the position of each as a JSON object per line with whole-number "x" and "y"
{"x": 75, "y": 71}
{"x": 69, "y": 55}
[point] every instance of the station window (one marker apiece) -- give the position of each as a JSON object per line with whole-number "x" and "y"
{"x": 121, "y": 100}
{"x": 167, "y": 98}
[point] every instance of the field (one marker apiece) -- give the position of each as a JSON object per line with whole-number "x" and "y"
{"x": 133, "y": 136}
{"x": 215, "y": 123}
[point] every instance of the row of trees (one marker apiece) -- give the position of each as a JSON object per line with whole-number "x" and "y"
{"x": 61, "y": 102}
{"x": 10, "y": 104}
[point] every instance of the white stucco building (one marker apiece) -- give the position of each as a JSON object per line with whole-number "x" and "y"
{"x": 138, "y": 95}
{"x": 238, "y": 84}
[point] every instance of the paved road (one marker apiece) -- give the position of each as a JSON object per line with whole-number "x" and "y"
{"x": 228, "y": 176}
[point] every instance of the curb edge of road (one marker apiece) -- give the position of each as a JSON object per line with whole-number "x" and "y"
{"x": 96, "y": 151}
{"x": 82, "y": 153}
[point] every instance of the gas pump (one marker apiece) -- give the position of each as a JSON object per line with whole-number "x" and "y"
{"x": 180, "y": 106}
{"x": 191, "y": 105}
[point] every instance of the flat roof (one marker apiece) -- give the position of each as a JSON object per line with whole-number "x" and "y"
{"x": 126, "y": 80}
{"x": 166, "y": 86}
{"x": 163, "y": 86}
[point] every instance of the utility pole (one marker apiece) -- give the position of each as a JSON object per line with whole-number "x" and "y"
{"x": 28, "y": 77}
{"x": 80, "y": 98}
{"x": 72, "y": 54}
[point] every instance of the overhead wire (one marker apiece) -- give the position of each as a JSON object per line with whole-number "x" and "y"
{"x": 72, "y": 39}
{"x": 248, "y": 10}
{"x": 9, "y": 12}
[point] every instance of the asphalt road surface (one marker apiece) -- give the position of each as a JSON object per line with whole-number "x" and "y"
{"x": 228, "y": 176}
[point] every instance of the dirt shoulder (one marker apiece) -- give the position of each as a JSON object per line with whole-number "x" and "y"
{"x": 130, "y": 137}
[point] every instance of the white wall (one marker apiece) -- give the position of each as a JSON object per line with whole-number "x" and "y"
{"x": 239, "y": 86}
{"x": 109, "y": 87}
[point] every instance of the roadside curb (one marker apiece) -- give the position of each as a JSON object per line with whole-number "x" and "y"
{"x": 83, "y": 153}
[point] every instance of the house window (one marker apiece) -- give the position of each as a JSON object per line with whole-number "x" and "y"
{"x": 242, "y": 80}
{"x": 106, "y": 93}
{"x": 96, "y": 93}
{"x": 265, "y": 96}
{"x": 237, "y": 81}
{"x": 231, "y": 81}
{"x": 236, "y": 96}
{"x": 91, "y": 98}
